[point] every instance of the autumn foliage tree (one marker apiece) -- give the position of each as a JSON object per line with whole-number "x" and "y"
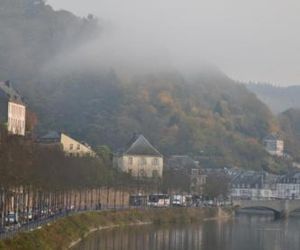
{"x": 217, "y": 186}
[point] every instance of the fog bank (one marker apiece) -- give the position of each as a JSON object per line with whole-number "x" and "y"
{"x": 249, "y": 40}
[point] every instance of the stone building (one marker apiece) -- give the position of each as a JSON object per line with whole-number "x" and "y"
{"x": 184, "y": 165}
{"x": 251, "y": 185}
{"x": 140, "y": 159}
{"x": 288, "y": 186}
{"x": 198, "y": 180}
{"x": 274, "y": 145}
{"x": 70, "y": 146}
{"x": 12, "y": 110}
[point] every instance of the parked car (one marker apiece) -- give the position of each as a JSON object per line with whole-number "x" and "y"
{"x": 178, "y": 200}
{"x": 26, "y": 216}
{"x": 11, "y": 218}
{"x": 159, "y": 200}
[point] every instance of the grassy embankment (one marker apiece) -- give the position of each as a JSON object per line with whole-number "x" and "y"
{"x": 60, "y": 234}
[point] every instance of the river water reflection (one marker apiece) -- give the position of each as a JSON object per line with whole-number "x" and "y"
{"x": 244, "y": 232}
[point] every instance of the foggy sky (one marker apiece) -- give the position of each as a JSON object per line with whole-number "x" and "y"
{"x": 253, "y": 40}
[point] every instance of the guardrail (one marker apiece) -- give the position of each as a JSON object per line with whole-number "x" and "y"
{"x": 11, "y": 231}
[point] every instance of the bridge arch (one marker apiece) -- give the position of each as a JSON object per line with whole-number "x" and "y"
{"x": 277, "y": 214}
{"x": 294, "y": 210}
{"x": 278, "y": 207}
{"x": 281, "y": 208}
{"x": 264, "y": 208}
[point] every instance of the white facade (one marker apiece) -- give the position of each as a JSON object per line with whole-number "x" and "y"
{"x": 74, "y": 148}
{"x": 252, "y": 193}
{"x": 275, "y": 187}
{"x": 274, "y": 146}
{"x": 288, "y": 191}
{"x": 140, "y": 159}
{"x": 141, "y": 165}
{"x": 16, "y": 123}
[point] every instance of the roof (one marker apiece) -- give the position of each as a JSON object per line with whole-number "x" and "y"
{"x": 272, "y": 137}
{"x": 50, "y": 137}
{"x": 11, "y": 93}
{"x": 250, "y": 178}
{"x": 290, "y": 177}
{"x": 139, "y": 145}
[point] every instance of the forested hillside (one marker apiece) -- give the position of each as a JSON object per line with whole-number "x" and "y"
{"x": 290, "y": 126}
{"x": 278, "y": 99}
{"x": 285, "y": 103}
{"x": 204, "y": 114}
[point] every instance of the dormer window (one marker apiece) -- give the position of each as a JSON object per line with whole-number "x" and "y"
{"x": 71, "y": 146}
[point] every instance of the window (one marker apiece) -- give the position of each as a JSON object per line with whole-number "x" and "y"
{"x": 130, "y": 160}
{"x": 130, "y": 171}
{"x": 71, "y": 146}
{"x": 78, "y": 146}
{"x": 143, "y": 161}
{"x": 195, "y": 172}
{"x": 142, "y": 173}
{"x": 155, "y": 162}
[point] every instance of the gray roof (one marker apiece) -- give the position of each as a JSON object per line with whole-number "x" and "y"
{"x": 291, "y": 177}
{"x": 11, "y": 93}
{"x": 250, "y": 178}
{"x": 272, "y": 137}
{"x": 141, "y": 146}
{"x": 50, "y": 137}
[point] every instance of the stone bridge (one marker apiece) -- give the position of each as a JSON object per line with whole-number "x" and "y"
{"x": 281, "y": 208}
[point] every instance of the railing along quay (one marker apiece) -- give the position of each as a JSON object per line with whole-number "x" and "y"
{"x": 11, "y": 231}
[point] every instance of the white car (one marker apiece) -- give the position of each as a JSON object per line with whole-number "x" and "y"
{"x": 11, "y": 217}
{"x": 179, "y": 200}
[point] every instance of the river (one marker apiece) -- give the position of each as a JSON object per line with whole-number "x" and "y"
{"x": 243, "y": 232}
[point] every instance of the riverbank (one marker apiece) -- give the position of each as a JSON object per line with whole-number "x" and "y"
{"x": 68, "y": 231}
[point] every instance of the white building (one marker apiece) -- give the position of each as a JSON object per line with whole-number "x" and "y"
{"x": 274, "y": 145}
{"x": 70, "y": 146}
{"x": 15, "y": 113}
{"x": 288, "y": 186}
{"x": 140, "y": 159}
{"x": 251, "y": 185}
{"x": 16, "y": 118}
{"x": 261, "y": 185}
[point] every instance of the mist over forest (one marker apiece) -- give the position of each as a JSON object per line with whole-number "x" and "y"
{"x": 82, "y": 81}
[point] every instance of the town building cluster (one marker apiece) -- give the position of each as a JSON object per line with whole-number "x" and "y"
{"x": 13, "y": 115}
{"x": 142, "y": 160}
{"x": 251, "y": 185}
